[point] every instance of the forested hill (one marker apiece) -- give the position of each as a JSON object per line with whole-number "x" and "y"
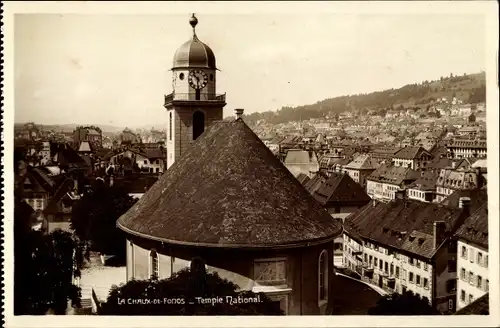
{"x": 470, "y": 88}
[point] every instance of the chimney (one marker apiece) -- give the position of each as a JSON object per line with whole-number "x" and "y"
{"x": 439, "y": 233}
{"x": 464, "y": 203}
{"x": 453, "y": 165}
{"x": 374, "y": 203}
{"x": 239, "y": 113}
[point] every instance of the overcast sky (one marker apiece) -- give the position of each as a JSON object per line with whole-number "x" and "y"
{"x": 114, "y": 69}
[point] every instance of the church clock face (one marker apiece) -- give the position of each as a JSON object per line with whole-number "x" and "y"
{"x": 197, "y": 79}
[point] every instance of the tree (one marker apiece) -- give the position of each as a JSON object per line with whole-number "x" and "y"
{"x": 95, "y": 215}
{"x": 182, "y": 294}
{"x": 403, "y": 304}
{"x": 45, "y": 265}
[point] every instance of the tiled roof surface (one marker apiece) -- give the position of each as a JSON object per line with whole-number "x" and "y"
{"x": 363, "y": 162}
{"x": 405, "y": 225}
{"x": 229, "y": 190}
{"x": 467, "y": 143}
{"x": 477, "y": 198}
{"x": 338, "y": 189}
{"x": 411, "y": 153}
{"x": 481, "y": 306}
{"x": 299, "y": 156}
{"x": 426, "y": 182}
{"x": 475, "y": 227}
{"x": 393, "y": 174}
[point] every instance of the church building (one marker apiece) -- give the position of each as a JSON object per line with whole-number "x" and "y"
{"x": 227, "y": 199}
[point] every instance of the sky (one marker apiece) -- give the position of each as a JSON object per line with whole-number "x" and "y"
{"x": 114, "y": 69}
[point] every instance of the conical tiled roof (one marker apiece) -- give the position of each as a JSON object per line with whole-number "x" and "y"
{"x": 229, "y": 190}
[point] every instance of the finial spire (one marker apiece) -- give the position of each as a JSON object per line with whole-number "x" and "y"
{"x": 193, "y": 21}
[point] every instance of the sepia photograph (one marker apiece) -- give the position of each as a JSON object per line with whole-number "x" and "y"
{"x": 207, "y": 159}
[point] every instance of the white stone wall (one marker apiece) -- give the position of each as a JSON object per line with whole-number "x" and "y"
{"x": 467, "y": 283}
{"x": 381, "y": 191}
{"x": 401, "y": 271}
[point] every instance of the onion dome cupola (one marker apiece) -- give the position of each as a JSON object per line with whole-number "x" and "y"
{"x": 194, "y": 53}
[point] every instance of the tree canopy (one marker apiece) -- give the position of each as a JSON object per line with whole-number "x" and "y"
{"x": 45, "y": 266}
{"x": 95, "y": 215}
{"x": 187, "y": 292}
{"x": 403, "y": 304}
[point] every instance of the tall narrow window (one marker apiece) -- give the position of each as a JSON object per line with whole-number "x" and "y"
{"x": 198, "y": 124}
{"x": 323, "y": 276}
{"x": 153, "y": 259}
{"x": 170, "y": 127}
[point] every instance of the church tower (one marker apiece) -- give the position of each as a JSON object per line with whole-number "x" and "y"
{"x": 194, "y": 103}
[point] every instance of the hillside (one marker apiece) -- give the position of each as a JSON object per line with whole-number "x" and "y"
{"x": 470, "y": 88}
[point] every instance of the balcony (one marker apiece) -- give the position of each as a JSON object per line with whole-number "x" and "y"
{"x": 192, "y": 97}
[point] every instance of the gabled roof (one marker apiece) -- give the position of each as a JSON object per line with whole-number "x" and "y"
{"x": 363, "y": 162}
{"x": 339, "y": 189}
{"x": 426, "y": 182}
{"x": 393, "y": 174}
{"x": 299, "y": 156}
{"x": 229, "y": 190}
{"x": 412, "y": 153}
{"x": 477, "y": 198}
{"x": 403, "y": 224}
{"x": 475, "y": 227}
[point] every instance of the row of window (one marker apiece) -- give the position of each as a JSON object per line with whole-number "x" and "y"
{"x": 416, "y": 279}
{"x": 480, "y": 259}
{"x": 277, "y": 274}
{"x": 463, "y": 297}
{"x": 474, "y": 280}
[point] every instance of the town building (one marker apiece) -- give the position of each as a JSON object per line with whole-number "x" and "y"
{"x": 472, "y": 263}
{"x": 383, "y": 153}
{"x": 149, "y": 160}
{"x": 91, "y": 134}
{"x": 385, "y": 181}
{"x": 406, "y": 246}
{"x": 128, "y": 137}
{"x": 339, "y": 194}
{"x": 360, "y": 168}
{"x": 231, "y": 202}
{"x": 464, "y": 148}
{"x": 424, "y": 188}
{"x": 301, "y": 161}
{"x": 330, "y": 163}
{"x": 413, "y": 157}
{"x": 451, "y": 180}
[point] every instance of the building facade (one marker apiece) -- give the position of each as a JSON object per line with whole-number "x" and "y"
{"x": 472, "y": 264}
{"x": 399, "y": 256}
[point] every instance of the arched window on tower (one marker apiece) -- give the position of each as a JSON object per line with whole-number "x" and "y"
{"x": 153, "y": 265}
{"x": 170, "y": 127}
{"x": 323, "y": 277}
{"x": 198, "y": 124}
